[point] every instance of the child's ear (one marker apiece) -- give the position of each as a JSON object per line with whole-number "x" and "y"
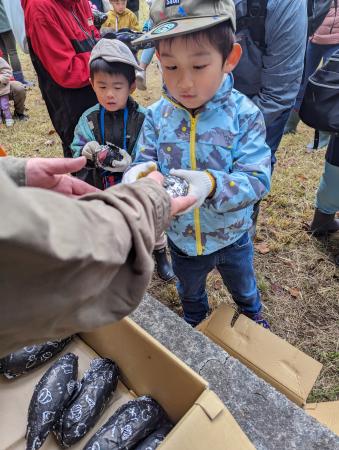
{"x": 132, "y": 87}
{"x": 91, "y": 81}
{"x": 233, "y": 58}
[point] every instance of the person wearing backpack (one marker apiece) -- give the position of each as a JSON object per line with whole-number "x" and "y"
{"x": 322, "y": 44}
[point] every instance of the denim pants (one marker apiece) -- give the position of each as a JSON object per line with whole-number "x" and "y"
{"x": 235, "y": 265}
{"x": 274, "y": 133}
{"x": 327, "y": 200}
{"x": 314, "y": 54}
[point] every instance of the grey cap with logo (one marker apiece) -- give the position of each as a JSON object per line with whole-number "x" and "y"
{"x": 178, "y": 17}
{"x": 113, "y": 50}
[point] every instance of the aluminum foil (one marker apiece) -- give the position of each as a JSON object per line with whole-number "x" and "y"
{"x": 176, "y": 186}
{"x": 50, "y": 396}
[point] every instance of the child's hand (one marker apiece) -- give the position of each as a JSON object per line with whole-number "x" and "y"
{"x": 90, "y": 149}
{"x": 122, "y": 164}
{"x": 200, "y": 185}
{"x": 139, "y": 171}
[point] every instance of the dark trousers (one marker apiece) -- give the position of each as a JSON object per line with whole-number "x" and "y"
{"x": 8, "y": 47}
{"x": 235, "y": 265}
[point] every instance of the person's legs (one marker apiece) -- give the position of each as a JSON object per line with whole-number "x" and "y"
{"x": 18, "y": 95}
{"x": 164, "y": 267}
{"x": 235, "y": 264}
{"x": 274, "y": 133}
{"x": 5, "y": 108}
{"x": 191, "y": 272}
{"x": 327, "y": 200}
{"x": 12, "y": 58}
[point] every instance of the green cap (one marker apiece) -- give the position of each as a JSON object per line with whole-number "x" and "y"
{"x": 178, "y": 17}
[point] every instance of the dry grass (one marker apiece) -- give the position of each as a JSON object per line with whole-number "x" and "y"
{"x": 297, "y": 277}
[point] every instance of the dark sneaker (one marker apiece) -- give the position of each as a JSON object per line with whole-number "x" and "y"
{"x": 21, "y": 117}
{"x": 257, "y": 318}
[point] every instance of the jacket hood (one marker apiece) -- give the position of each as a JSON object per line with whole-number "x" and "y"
{"x": 218, "y": 99}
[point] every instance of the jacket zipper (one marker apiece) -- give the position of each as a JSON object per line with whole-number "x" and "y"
{"x": 193, "y": 160}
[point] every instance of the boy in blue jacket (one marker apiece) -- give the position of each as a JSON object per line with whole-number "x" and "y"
{"x": 212, "y": 136}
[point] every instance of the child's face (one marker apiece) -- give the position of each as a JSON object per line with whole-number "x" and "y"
{"x": 193, "y": 71}
{"x": 112, "y": 91}
{"x": 119, "y": 6}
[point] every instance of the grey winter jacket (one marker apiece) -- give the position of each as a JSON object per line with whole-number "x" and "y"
{"x": 271, "y": 77}
{"x": 70, "y": 265}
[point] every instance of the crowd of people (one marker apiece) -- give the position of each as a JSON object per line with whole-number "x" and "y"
{"x": 233, "y": 81}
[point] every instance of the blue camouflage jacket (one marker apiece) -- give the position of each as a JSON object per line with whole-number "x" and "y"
{"x": 227, "y": 138}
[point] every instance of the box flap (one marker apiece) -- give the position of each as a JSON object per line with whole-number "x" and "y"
{"x": 270, "y": 357}
{"x": 196, "y": 430}
{"x": 147, "y": 366}
{"x": 326, "y": 412}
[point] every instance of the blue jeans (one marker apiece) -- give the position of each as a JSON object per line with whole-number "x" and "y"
{"x": 274, "y": 133}
{"x": 147, "y": 55}
{"x": 314, "y": 54}
{"x": 327, "y": 200}
{"x": 235, "y": 265}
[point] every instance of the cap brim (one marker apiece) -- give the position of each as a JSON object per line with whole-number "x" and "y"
{"x": 118, "y": 60}
{"x": 178, "y": 27}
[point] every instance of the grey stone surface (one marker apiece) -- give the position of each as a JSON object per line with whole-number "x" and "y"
{"x": 267, "y": 417}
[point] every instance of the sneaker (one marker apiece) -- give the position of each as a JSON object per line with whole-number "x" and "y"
{"x": 141, "y": 80}
{"x": 9, "y": 122}
{"x": 257, "y": 318}
{"x": 20, "y": 117}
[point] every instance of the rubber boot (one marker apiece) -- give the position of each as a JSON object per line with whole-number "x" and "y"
{"x": 323, "y": 224}
{"x": 292, "y": 122}
{"x": 164, "y": 267}
{"x": 319, "y": 141}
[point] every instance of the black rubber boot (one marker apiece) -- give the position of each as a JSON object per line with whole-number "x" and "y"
{"x": 323, "y": 224}
{"x": 164, "y": 267}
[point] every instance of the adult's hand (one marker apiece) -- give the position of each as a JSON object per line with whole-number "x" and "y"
{"x": 178, "y": 204}
{"x": 54, "y": 174}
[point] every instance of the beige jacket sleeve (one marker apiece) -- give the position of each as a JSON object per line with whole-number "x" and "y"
{"x": 71, "y": 265}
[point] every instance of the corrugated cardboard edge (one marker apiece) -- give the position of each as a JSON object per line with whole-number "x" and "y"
{"x": 207, "y": 414}
{"x": 326, "y": 413}
{"x": 204, "y": 327}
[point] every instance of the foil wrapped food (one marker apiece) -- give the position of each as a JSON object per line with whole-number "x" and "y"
{"x": 50, "y": 397}
{"x": 130, "y": 424}
{"x": 87, "y": 404}
{"x": 30, "y": 357}
{"x": 154, "y": 439}
{"x": 176, "y": 186}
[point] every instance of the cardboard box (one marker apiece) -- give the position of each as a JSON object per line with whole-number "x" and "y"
{"x": 289, "y": 370}
{"x": 147, "y": 367}
{"x": 326, "y": 413}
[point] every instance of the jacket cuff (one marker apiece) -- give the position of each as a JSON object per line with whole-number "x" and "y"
{"x": 162, "y": 204}
{"x": 15, "y": 169}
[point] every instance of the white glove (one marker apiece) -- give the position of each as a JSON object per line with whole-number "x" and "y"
{"x": 121, "y": 166}
{"x": 139, "y": 171}
{"x": 200, "y": 185}
{"x": 90, "y": 149}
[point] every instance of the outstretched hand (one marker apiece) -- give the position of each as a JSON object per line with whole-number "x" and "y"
{"x": 178, "y": 204}
{"x": 54, "y": 174}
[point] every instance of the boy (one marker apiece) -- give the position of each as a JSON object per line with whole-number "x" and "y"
{"x": 107, "y": 132}
{"x": 214, "y": 137}
{"x": 121, "y": 17}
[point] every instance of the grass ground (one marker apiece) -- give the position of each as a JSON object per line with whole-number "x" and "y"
{"x": 297, "y": 275}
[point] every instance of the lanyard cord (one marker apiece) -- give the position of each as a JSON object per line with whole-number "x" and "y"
{"x": 102, "y": 126}
{"x": 90, "y": 37}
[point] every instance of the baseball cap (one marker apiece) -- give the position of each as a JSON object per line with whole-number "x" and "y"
{"x": 113, "y": 50}
{"x": 178, "y": 17}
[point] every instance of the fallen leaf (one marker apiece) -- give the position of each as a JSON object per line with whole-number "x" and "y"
{"x": 295, "y": 292}
{"x": 51, "y": 132}
{"x": 301, "y": 177}
{"x": 262, "y": 248}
